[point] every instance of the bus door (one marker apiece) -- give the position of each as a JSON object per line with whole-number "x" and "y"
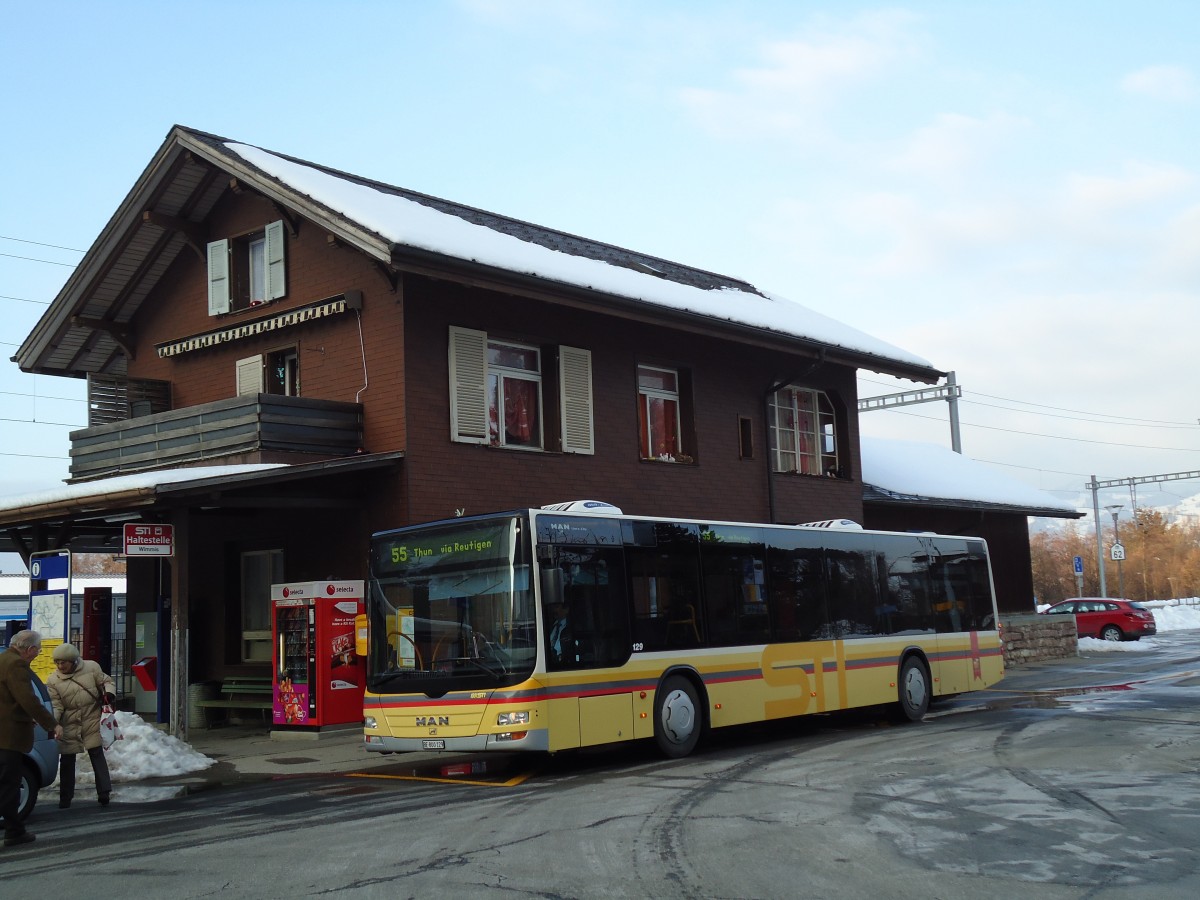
{"x": 585, "y": 615}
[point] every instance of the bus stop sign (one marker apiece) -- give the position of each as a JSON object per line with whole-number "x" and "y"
{"x": 1079, "y": 565}
{"x": 149, "y": 540}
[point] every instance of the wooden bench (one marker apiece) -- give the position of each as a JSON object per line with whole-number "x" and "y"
{"x": 242, "y": 692}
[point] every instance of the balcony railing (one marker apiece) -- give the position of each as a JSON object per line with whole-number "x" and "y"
{"x": 250, "y": 424}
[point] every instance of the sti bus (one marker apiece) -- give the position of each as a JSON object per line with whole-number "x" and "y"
{"x": 671, "y": 627}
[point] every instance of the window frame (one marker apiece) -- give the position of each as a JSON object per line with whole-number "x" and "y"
{"x": 255, "y": 644}
{"x": 648, "y": 395}
{"x": 498, "y": 398}
{"x": 822, "y": 434}
{"x": 288, "y": 360}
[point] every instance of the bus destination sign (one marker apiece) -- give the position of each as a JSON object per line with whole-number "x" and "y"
{"x": 481, "y": 543}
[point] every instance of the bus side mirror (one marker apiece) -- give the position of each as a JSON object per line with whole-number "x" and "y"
{"x": 361, "y": 633}
{"x": 552, "y": 586}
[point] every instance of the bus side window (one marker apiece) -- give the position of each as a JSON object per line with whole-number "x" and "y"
{"x": 796, "y": 585}
{"x": 663, "y": 583}
{"x": 593, "y": 591}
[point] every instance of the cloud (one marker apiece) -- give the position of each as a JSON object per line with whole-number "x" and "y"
{"x": 797, "y": 79}
{"x": 917, "y": 238}
{"x": 954, "y": 144}
{"x": 1138, "y": 223}
{"x": 1179, "y": 250}
{"x": 1139, "y": 184}
{"x": 1172, "y": 84}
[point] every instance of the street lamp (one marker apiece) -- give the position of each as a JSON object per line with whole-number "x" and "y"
{"x": 1115, "y": 508}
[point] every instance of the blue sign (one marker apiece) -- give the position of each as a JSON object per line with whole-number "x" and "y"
{"x": 1079, "y": 565}
{"x": 45, "y": 568}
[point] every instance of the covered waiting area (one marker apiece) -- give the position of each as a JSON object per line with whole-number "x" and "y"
{"x": 210, "y": 509}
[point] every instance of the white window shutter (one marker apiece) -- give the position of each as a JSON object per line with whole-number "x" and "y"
{"x": 218, "y": 278}
{"x": 276, "y": 277}
{"x": 468, "y": 386}
{"x": 250, "y": 375}
{"x": 575, "y": 380}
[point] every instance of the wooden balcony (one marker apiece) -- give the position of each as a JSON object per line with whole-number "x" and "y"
{"x": 250, "y": 428}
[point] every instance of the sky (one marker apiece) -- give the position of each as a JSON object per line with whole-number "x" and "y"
{"x": 1010, "y": 191}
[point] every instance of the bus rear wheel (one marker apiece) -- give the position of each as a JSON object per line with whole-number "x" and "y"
{"x": 677, "y": 717}
{"x": 913, "y": 690}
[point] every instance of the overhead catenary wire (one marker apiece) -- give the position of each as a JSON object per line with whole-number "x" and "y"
{"x": 1099, "y": 417}
{"x": 1057, "y": 437}
{"x": 49, "y": 262}
{"x": 5, "y": 237}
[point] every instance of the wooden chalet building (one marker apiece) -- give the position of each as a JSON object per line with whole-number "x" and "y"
{"x": 405, "y": 358}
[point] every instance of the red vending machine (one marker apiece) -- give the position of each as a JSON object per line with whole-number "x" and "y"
{"x": 319, "y": 679}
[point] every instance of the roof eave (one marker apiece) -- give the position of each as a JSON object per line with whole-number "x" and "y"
{"x": 873, "y": 498}
{"x": 128, "y": 217}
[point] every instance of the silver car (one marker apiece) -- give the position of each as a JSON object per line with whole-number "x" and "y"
{"x": 41, "y": 763}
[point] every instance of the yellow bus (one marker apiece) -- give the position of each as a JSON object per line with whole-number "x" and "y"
{"x": 576, "y": 626}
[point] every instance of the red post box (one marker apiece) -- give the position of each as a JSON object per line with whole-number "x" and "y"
{"x": 145, "y": 670}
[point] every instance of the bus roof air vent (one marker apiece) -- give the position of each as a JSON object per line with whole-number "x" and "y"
{"x": 584, "y": 506}
{"x": 834, "y": 524}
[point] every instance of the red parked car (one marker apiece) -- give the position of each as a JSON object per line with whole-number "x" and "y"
{"x": 1109, "y": 620}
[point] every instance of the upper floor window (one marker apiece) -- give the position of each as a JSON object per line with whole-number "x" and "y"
{"x": 283, "y": 372}
{"x": 514, "y": 387}
{"x": 277, "y": 372}
{"x": 658, "y": 413}
{"x": 804, "y": 432}
{"x": 246, "y": 271}
{"x": 501, "y": 394}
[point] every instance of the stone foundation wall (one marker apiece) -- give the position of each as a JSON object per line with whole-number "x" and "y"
{"x": 1032, "y": 638}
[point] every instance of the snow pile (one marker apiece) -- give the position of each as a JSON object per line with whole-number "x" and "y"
{"x": 144, "y": 752}
{"x": 1167, "y": 617}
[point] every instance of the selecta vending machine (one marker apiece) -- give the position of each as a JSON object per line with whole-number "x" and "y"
{"x": 319, "y": 679}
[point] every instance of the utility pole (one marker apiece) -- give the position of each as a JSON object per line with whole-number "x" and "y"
{"x": 1094, "y": 486}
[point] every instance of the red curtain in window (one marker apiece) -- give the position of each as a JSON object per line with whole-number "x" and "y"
{"x": 664, "y": 439}
{"x": 520, "y": 411}
{"x": 806, "y": 462}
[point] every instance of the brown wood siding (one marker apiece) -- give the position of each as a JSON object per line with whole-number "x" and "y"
{"x": 330, "y": 354}
{"x": 728, "y": 381}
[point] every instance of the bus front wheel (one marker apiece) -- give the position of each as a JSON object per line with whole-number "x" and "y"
{"x": 913, "y": 690}
{"x": 677, "y": 717}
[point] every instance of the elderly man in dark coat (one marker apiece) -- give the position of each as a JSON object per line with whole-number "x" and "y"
{"x": 20, "y": 707}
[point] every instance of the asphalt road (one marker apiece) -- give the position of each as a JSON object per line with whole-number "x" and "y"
{"x": 1070, "y": 794}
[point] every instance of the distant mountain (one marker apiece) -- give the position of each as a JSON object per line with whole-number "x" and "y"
{"x": 1168, "y": 502}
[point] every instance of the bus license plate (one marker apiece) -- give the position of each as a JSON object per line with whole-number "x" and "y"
{"x": 433, "y": 745}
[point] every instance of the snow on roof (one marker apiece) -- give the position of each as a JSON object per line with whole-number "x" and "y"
{"x": 122, "y": 483}
{"x": 918, "y": 469}
{"x": 409, "y": 223}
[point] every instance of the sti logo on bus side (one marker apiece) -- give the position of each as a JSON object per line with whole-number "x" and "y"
{"x": 423, "y": 721}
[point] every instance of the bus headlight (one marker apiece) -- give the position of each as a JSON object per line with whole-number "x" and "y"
{"x": 513, "y": 718}
{"x": 369, "y": 722}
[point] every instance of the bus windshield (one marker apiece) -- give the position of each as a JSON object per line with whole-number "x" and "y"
{"x": 451, "y": 607}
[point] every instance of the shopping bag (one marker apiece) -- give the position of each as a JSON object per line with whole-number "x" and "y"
{"x": 110, "y": 731}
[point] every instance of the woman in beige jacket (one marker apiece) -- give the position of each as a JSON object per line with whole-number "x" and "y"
{"x": 79, "y": 689}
